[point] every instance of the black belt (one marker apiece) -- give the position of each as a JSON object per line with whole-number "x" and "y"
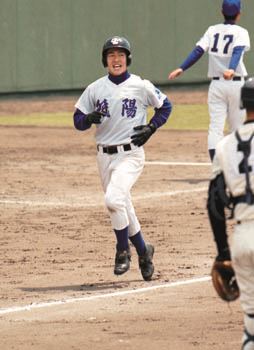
{"x": 114, "y": 149}
{"x": 234, "y": 78}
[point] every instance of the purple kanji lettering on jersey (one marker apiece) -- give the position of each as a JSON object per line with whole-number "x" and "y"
{"x": 158, "y": 92}
{"x": 103, "y": 107}
{"x": 129, "y": 107}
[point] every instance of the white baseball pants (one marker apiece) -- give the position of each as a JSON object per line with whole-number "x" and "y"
{"x": 243, "y": 262}
{"x": 224, "y": 105}
{"x": 118, "y": 173}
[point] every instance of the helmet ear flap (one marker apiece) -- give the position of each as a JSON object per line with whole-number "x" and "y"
{"x": 247, "y": 95}
{"x": 129, "y": 59}
{"x": 241, "y": 99}
{"x": 104, "y": 60}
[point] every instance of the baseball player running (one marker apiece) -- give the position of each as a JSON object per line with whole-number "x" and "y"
{"x": 233, "y": 168}
{"x": 117, "y": 104}
{"x": 226, "y": 44}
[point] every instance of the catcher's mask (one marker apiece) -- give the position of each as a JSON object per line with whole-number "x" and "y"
{"x": 247, "y": 94}
{"x": 116, "y": 42}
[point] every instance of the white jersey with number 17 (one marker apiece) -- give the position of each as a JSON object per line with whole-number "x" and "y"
{"x": 220, "y": 40}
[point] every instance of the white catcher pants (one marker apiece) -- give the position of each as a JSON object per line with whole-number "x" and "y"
{"x": 243, "y": 262}
{"x": 224, "y": 105}
{"x": 118, "y": 173}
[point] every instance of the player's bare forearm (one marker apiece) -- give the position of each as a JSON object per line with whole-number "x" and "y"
{"x": 175, "y": 73}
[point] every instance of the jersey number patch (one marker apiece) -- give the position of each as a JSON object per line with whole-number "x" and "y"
{"x": 241, "y": 168}
{"x": 227, "y": 40}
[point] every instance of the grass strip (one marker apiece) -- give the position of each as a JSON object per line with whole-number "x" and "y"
{"x": 183, "y": 117}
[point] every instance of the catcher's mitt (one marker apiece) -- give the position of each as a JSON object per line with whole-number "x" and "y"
{"x": 224, "y": 281}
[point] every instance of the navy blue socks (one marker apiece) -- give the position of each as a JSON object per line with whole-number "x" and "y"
{"x": 139, "y": 243}
{"x": 122, "y": 239}
{"x": 211, "y": 153}
{"x": 137, "y": 240}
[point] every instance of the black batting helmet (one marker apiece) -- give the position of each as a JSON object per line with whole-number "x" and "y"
{"x": 247, "y": 94}
{"x": 116, "y": 42}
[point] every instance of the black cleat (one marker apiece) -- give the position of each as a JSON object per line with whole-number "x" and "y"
{"x": 146, "y": 263}
{"x": 122, "y": 261}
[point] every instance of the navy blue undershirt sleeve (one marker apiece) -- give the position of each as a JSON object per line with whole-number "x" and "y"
{"x": 161, "y": 114}
{"x": 80, "y": 122}
{"x": 193, "y": 57}
{"x": 236, "y": 56}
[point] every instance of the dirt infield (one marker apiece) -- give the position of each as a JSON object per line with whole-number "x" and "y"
{"x": 57, "y": 249}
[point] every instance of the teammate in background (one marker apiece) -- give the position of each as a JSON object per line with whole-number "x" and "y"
{"x": 226, "y": 44}
{"x": 117, "y": 104}
{"x": 233, "y": 167}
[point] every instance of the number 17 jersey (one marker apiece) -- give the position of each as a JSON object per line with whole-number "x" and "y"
{"x": 219, "y": 41}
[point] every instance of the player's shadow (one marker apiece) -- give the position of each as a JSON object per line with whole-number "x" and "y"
{"x": 90, "y": 287}
{"x": 190, "y": 181}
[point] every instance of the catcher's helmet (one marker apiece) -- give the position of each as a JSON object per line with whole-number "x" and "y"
{"x": 116, "y": 42}
{"x": 247, "y": 94}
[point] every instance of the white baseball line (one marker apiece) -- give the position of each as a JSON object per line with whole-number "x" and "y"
{"x": 85, "y": 202}
{"x": 177, "y": 163}
{"x": 113, "y": 294}
{"x": 168, "y": 193}
{"x": 29, "y": 307}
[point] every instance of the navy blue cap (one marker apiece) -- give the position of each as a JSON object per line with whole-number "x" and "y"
{"x": 231, "y": 7}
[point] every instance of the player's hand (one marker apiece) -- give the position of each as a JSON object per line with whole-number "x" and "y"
{"x": 94, "y": 117}
{"x": 228, "y": 74}
{"x": 144, "y": 132}
{"x": 175, "y": 73}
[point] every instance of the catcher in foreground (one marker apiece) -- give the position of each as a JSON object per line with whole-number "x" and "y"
{"x": 232, "y": 186}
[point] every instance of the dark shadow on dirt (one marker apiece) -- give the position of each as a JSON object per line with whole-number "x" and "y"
{"x": 90, "y": 287}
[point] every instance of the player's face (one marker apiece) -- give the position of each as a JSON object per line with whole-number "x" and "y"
{"x": 116, "y": 60}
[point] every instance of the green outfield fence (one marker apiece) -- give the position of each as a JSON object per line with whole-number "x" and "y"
{"x": 55, "y": 45}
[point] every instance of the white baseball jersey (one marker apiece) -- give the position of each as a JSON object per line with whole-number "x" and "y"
{"x": 124, "y": 105}
{"x": 219, "y": 40}
{"x": 228, "y": 160}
